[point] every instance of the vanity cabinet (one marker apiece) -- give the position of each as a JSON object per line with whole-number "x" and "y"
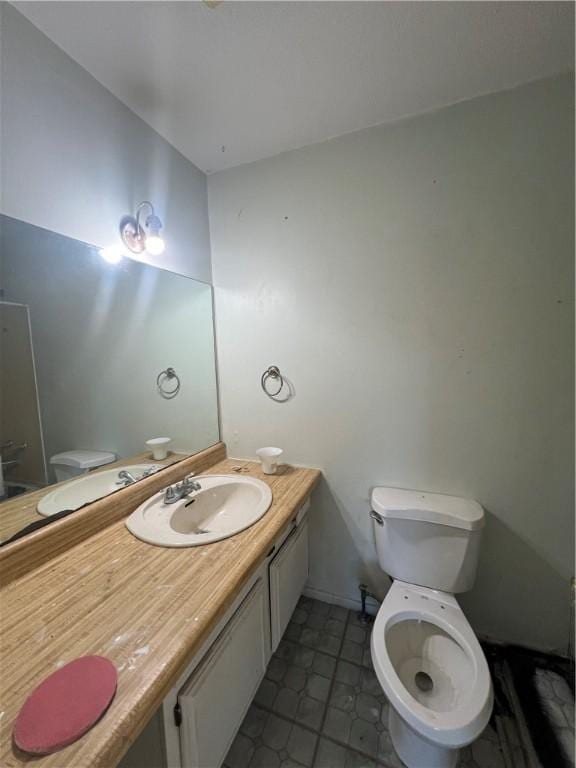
{"x": 204, "y": 710}
{"x": 215, "y": 698}
{"x": 288, "y": 575}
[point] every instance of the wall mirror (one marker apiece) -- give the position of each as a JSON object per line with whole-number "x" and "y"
{"x": 84, "y": 350}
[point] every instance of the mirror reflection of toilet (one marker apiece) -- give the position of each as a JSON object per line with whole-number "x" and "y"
{"x": 425, "y": 653}
{"x": 71, "y": 464}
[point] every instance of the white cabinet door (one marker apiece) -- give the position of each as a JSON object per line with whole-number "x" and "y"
{"x": 214, "y": 700}
{"x": 288, "y": 575}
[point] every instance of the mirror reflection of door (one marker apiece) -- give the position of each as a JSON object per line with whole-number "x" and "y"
{"x": 21, "y": 446}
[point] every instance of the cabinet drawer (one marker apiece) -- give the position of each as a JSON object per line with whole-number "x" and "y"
{"x": 288, "y": 575}
{"x": 214, "y": 700}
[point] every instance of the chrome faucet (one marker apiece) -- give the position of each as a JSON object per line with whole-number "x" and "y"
{"x": 126, "y": 478}
{"x": 178, "y": 491}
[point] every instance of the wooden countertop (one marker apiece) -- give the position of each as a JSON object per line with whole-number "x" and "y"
{"x": 148, "y": 609}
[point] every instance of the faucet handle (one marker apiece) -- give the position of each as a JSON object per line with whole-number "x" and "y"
{"x": 190, "y": 484}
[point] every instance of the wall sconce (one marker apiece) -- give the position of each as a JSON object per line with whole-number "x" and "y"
{"x": 137, "y": 237}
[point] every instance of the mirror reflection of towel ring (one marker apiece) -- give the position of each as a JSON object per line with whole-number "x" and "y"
{"x": 166, "y": 390}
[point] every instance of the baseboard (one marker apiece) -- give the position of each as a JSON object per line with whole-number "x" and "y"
{"x": 345, "y": 602}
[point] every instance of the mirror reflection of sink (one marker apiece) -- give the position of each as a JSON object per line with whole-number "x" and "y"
{"x": 224, "y": 506}
{"x": 89, "y": 487}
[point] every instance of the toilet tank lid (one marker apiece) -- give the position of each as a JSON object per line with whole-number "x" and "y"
{"x": 83, "y": 459}
{"x": 454, "y": 511}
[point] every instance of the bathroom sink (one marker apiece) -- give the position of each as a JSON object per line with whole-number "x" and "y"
{"x": 86, "y": 488}
{"x": 224, "y": 506}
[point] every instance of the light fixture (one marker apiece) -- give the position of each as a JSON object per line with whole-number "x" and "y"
{"x": 138, "y": 238}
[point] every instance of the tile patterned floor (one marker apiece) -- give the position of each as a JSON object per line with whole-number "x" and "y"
{"x": 321, "y": 706}
{"x": 558, "y": 704}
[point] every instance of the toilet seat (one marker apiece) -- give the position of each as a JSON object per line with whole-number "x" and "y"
{"x": 433, "y": 635}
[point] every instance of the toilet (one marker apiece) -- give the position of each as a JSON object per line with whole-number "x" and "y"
{"x": 70, "y": 464}
{"x": 425, "y": 653}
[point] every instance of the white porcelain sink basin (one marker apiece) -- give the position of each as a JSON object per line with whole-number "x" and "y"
{"x": 95, "y": 485}
{"x": 224, "y": 506}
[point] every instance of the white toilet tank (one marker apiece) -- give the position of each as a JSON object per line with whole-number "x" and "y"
{"x": 71, "y": 464}
{"x": 427, "y": 538}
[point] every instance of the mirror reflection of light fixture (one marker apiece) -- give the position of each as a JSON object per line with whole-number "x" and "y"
{"x": 113, "y": 253}
{"x": 139, "y": 238}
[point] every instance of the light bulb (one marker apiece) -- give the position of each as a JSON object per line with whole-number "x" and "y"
{"x": 155, "y": 245}
{"x": 112, "y": 253}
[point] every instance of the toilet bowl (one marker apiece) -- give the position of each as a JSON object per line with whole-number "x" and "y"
{"x": 434, "y": 674}
{"x": 426, "y": 656}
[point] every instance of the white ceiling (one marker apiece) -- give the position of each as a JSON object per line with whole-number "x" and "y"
{"x": 246, "y": 80}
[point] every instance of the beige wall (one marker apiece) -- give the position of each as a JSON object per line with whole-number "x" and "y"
{"x": 415, "y": 283}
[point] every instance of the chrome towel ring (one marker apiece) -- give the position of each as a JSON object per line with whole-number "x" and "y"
{"x": 276, "y": 386}
{"x": 165, "y": 389}
{"x": 270, "y": 375}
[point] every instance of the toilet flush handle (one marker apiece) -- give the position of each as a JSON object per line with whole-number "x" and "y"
{"x": 377, "y": 517}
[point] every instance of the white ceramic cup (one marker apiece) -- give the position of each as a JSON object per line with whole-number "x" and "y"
{"x": 269, "y": 458}
{"x": 159, "y": 447}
